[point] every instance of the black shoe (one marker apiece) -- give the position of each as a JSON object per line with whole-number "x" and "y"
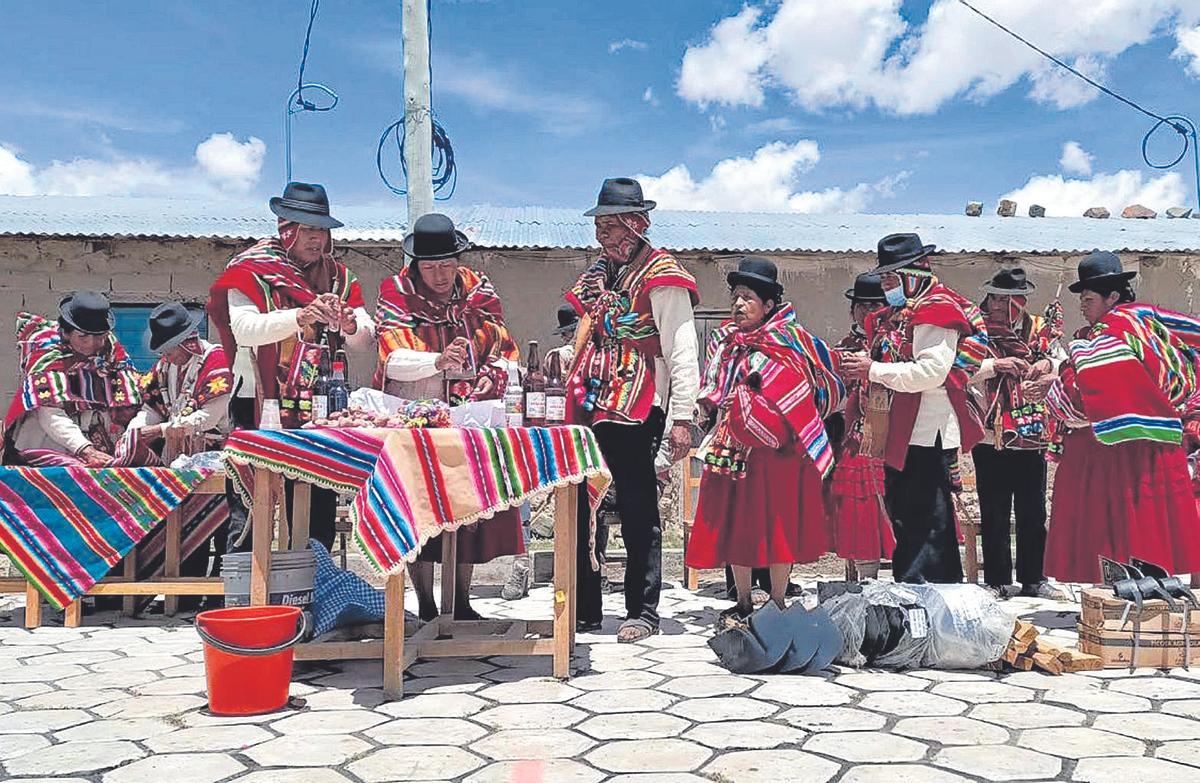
{"x": 588, "y": 626}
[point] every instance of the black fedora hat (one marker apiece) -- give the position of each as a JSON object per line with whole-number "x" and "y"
{"x": 758, "y": 274}
{"x": 868, "y": 287}
{"x": 567, "y": 319}
{"x": 619, "y": 195}
{"x": 170, "y": 324}
{"x": 306, "y": 204}
{"x": 433, "y": 238}
{"x": 1010, "y": 281}
{"x": 896, "y": 251}
{"x": 1100, "y": 267}
{"x": 87, "y": 311}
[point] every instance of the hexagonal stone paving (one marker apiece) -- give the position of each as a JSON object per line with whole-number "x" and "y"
{"x": 292, "y": 776}
{"x": 1157, "y": 770}
{"x": 804, "y": 692}
{"x": 75, "y": 757}
{"x": 653, "y": 755}
{"x": 1027, "y": 716}
{"x": 704, "y": 687}
{"x": 983, "y": 692}
{"x": 882, "y": 681}
{"x": 1158, "y": 688}
{"x": 865, "y": 746}
{"x": 1149, "y": 726}
{"x": 117, "y": 729}
{"x": 618, "y": 680}
{"x": 177, "y": 768}
{"x": 418, "y": 731}
{"x": 744, "y": 735}
{"x": 40, "y": 721}
{"x": 721, "y": 708}
{"x": 331, "y": 750}
{"x": 770, "y": 766}
{"x": 415, "y": 762}
{"x": 530, "y": 692}
{"x": 519, "y": 716}
{"x": 633, "y": 725}
{"x": 1079, "y": 742}
{"x": 912, "y": 704}
{"x": 999, "y": 762}
{"x": 900, "y": 773}
{"x": 624, "y": 701}
{"x": 514, "y": 744}
{"x": 328, "y": 722}
{"x": 1098, "y": 701}
{"x": 438, "y": 705}
{"x": 1184, "y": 752}
{"x": 548, "y": 770}
{"x": 816, "y": 719}
{"x": 13, "y": 745}
{"x": 952, "y": 730}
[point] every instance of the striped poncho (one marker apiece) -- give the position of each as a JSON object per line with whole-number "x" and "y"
{"x": 789, "y": 369}
{"x": 1131, "y": 375}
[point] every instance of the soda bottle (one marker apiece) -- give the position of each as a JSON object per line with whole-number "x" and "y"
{"x": 514, "y": 399}
{"x": 556, "y": 393}
{"x": 535, "y": 389}
{"x": 339, "y": 394}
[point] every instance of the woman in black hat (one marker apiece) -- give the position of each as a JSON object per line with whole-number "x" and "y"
{"x": 768, "y": 384}
{"x": 1122, "y": 488}
{"x": 75, "y": 375}
{"x": 1010, "y": 463}
{"x": 862, "y": 530}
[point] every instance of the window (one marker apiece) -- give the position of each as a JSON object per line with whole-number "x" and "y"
{"x": 132, "y": 331}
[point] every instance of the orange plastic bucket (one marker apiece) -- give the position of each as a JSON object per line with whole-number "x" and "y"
{"x": 248, "y": 656}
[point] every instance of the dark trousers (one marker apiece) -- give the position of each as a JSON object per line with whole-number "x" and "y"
{"x": 1009, "y": 481}
{"x": 629, "y": 451}
{"x": 922, "y": 512}
{"x": 322, "y": 508}
{"x": 589, "y": 583}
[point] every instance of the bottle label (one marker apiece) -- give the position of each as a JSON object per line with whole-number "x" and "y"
{"x": 556, "y": 409}
{"x": 535, "y": 405}
{"x": 320, "y": 406}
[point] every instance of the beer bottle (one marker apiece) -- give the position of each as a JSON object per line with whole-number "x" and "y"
{"x": 556, "y": 393}
{"x": 535, "y": 389}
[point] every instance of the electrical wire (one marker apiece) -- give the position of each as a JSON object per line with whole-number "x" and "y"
{"x": 445, "y": 172}
{"x": 1178, "y": 123}
{"x": 296, "y": 102}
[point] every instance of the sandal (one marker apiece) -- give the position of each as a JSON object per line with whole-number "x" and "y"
{"x": 635, "y": 630}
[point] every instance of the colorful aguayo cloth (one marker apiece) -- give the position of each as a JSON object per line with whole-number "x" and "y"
{"x": 414, "y": 484}
{"x": 66, "y": 527}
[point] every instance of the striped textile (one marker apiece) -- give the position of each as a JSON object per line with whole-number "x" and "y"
{"x": 411, "y": 485}
{"x": 66, "y": 527}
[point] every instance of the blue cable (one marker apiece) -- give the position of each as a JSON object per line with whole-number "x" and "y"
{"x": 296, "y": 102}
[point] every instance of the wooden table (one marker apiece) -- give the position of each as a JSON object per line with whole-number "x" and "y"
{"x": 171, "y": 584}
{"x": 443, "y": 637}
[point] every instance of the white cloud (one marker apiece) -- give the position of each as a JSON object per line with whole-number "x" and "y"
{"x": 1189, "y": 49}
{"x": 1076, "y": 160}
{"x": 859, "y": 53}
{"x": 235, "y": 164}
{"x": 649, "y": 97}
{"x": 497, "y": 88}
{"x": 223, "y": 165}
{"x": 625, "y": 43}
{"x": 1065, "y": 197}
{"x": 773, "y": 126}
{"x": 767, "y": 181}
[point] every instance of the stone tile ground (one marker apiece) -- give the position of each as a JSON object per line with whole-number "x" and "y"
{"x": 126, "y": 705}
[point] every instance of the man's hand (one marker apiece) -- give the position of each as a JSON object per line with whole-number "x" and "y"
{"x": 483, "y": 387}
{"x": 1036, "y": 390}
{"x": 1011, "y": 365}
{"x": 680, "y": 439}
{"x": 1038, "y": 369}
{"x": 856, "y": 367}
{"x": 454, "y": 357}
{"x": 349, "y": 321}
{"x": 317, "y": 311}
{"x": 152, "y": 431}
{"x": 94, "y": 457}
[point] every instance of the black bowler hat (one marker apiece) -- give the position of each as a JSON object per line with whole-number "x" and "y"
{"x": 170, "y": 324}
{"x": 567, "y": 319}
{"x": 896, "y": 251}
{"x": 433, "y": 238}
{"x": 619, "y": 195}
{"x": 305, "y": 204}
{"x": 867, "y": 288}
{"x": 1102, "y": 268}
{"x": 759, "y": 275}
{"x": 1009, "y": 282}
{"x": 87, "y": 311}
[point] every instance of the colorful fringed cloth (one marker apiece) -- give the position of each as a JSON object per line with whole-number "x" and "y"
{"x": 1131, "y": 375}
{"x": 793, "y": 371}
{"x": 415, "y": 484}
{"x": 66, "y": 527}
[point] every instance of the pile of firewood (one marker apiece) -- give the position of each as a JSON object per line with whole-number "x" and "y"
{"x": 1027, "y": 651}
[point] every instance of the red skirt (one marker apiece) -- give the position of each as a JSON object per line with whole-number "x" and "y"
{"x": 862, "y": 529}
{"x": 772, "y": 515}
{"x": 1129, "y": 500}
{"x": 485, "y": 540}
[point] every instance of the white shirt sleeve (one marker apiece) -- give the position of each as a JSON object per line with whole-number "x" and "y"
{"x": 934, "y": 349}
{"x": 251, "y": 328}
{"x": 144, "y": 418}
{"x": 671, "y": 307}
{"x": 206, "y": 418}
{"x": 62, "y": 429}
{"x": 405, "y": 364}
{"x": 987, "y": 371}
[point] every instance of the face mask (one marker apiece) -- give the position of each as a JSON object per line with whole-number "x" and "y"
{"x": 895, "y": 297}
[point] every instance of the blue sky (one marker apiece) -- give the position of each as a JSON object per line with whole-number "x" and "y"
{"x": 860, "y": 105}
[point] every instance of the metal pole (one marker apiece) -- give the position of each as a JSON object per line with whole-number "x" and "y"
{"x": 418, "y": 125}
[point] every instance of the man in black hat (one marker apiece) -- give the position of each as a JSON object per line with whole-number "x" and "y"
{"x": 638, "y": 368}
{"x": 924, "y": 350}
{"x": 1010, "y": 463}
{"x": 75, "y": 375}
{"x": 275, "y": 299}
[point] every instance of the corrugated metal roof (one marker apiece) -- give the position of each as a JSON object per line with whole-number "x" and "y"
{"x": 540, "y": 227}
